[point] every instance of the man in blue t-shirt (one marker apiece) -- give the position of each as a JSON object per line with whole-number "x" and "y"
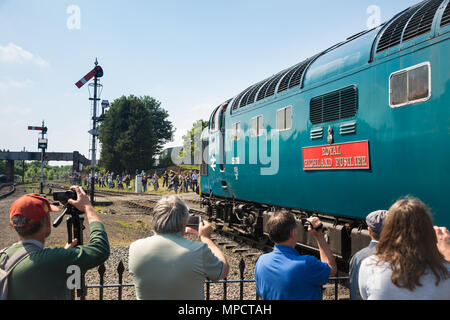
{"x": 284, "y": 274}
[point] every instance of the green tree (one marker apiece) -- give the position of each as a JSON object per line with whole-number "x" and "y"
{"x": 134, "y": 132}
{"x": 192, "y": 141}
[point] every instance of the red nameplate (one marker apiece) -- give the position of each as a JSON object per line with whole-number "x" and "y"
{"x": 352, "y": 155}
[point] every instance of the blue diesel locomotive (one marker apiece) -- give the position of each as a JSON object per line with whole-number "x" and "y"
{"x": 343, "y": 133}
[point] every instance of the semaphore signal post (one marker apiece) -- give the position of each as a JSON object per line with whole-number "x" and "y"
{"x": 96, "y": 73}
{"x": 42, "y": 144}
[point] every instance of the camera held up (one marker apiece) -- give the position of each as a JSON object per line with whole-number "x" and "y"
{"x": 74, "y": 222}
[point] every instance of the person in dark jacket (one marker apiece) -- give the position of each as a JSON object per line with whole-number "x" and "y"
{"x": 44, "y": 274}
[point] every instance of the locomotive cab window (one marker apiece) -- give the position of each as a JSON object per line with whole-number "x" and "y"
{"x": 236, "y": 131}
{"x": 284, "y": 118}
{"x": 409, "y": 86}
{"x": 215, "y": 120}
{"x": 257, "y": 126}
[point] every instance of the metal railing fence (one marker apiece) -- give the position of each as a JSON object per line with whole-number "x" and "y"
{"x": 225, "y": 283}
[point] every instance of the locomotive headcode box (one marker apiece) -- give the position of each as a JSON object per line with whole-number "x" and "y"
{"x": 351, "y": 155}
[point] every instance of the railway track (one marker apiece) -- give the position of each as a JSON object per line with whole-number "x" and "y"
{"x": 237, "y": 239}
{"x": 7, "y": 189}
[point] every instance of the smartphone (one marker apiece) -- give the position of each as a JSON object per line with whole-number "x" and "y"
{"x": 194, "y": 222}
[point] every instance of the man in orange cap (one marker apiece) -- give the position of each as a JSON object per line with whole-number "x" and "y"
{"x": 43, "y": 274}
{"x": 30, "y": 217}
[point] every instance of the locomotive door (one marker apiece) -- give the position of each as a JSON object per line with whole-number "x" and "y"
{"x": 222, "y": 112}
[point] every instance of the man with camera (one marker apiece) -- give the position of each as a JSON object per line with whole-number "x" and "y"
{"x": 284, "y": 274}
{"x": 43, "y": 272}
{"x": 167, "y": 266}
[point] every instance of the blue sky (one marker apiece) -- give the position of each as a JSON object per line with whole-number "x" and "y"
{"x": 190, "y": 55}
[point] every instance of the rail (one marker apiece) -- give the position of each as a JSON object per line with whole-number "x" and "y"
{"x": 7, "y": 193}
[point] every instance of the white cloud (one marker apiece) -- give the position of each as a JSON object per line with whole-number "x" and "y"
{"x": 13, "y": 53}
{"x": 13, "y": 84}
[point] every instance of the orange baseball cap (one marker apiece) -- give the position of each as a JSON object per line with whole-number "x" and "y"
{"x": 32, "y": 206}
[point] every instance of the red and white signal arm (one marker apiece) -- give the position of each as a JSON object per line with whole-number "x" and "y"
{"x": 37, "y": 128}
{"x": 86, "y": 78}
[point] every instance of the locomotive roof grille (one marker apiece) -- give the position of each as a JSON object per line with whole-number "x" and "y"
{"x": 238, "y": 98}
{"x": 336, "y": 105}
{"x": 393, "y": 33}
{"x": 251, "y": 97}
{"x": 422, "y": 20}
{"x": 262, "y": 92}
{"x": 284, "y": 84}
{"x": 409, "y": 24}
{"x": 446, "y": 16}
{"x": 298, "y": 74}
{"x": 412, "y": 22}
{"x": 273, "y": 84}
{"x": 245, "y": 97}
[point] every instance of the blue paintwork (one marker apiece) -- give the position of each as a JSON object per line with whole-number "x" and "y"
{"x": 409, "y": 146}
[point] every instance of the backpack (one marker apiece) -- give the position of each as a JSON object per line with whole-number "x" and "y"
{"x": 9, "y": 264}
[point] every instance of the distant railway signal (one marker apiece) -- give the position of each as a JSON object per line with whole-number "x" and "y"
{"x": 43, "y": 129}
{"x": 42, "y": 144}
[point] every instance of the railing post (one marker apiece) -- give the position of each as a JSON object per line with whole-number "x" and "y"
{"x": 336, "y": 290}
{"x": 241, "y": 269}
{"x": 225, "y": 289}
{"x": 208, "y": 284}
{"x": 101, "y": 272}
{"x": 120, "y": 270}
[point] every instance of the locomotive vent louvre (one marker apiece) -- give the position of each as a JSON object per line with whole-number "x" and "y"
{"x": 284, "y": 84}
{"x": 298, "y": 74}
{"x": 262, "y": 92}
{"x": 334, "y": 106}
{"x": 253, "y": 92}
{"x": 446, "y": 16}
{"x": 238, "y": 98}
{"x": 393, "y": 33}
{"x": 245, "y": 97}
{"x": 273, "y": 84}
{"x": 422, "y": 20}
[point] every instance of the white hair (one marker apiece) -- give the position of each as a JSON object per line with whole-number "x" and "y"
{"x": 169, "y": 215}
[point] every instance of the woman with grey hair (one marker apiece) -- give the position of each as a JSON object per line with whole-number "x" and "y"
{"x": 167, "y": 266}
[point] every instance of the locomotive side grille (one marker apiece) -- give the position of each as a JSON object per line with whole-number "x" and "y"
{"x": 392, "y": 35}
{"x": 331, "y": 106}
{"x": 422, "y": 20}
{"x": 349, "y": 102}
{"x": 446, "y": 16}
{"x": 315, "y": 113}
{"x": 334, "y": 106}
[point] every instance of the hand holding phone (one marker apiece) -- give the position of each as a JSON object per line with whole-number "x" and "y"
{"x": 192, "y": 225}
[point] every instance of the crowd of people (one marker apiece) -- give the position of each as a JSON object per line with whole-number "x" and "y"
{"x": 408, "y": 257}
{"x": 174, "y": 181}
